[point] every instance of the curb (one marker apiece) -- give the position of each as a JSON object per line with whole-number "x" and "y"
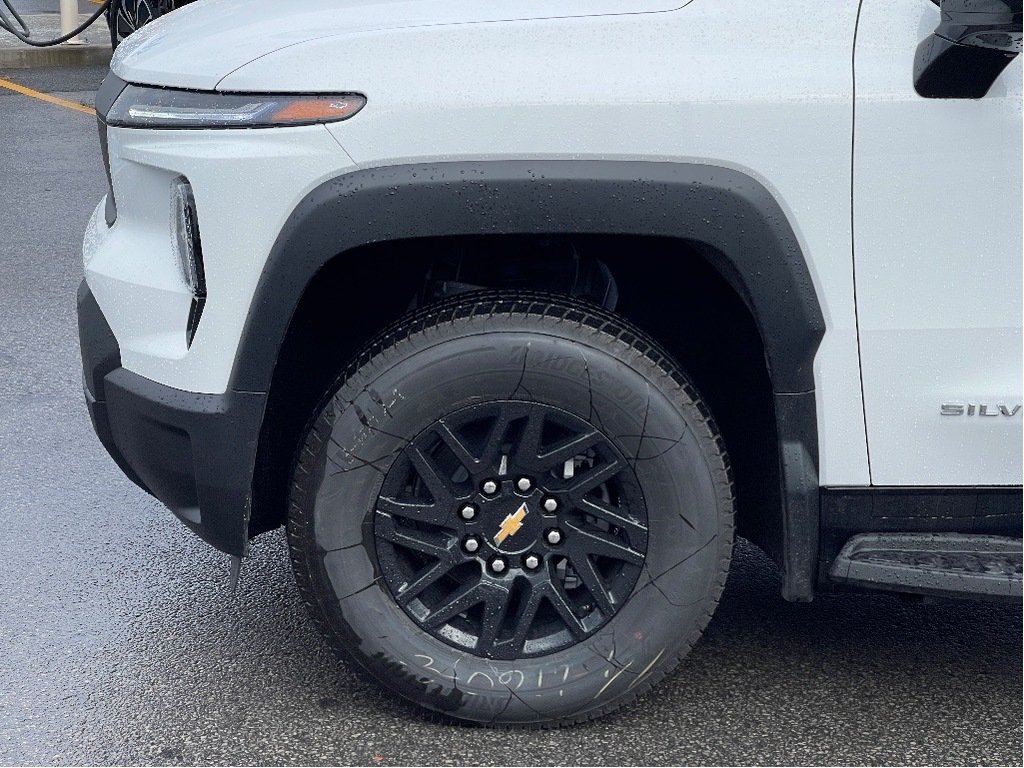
{"x": 57, "y": 56}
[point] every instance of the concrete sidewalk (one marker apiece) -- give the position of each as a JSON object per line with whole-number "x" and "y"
{"x": 93, "y": 49}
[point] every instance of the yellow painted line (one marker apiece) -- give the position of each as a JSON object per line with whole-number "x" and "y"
{"x": 46, "y": 97}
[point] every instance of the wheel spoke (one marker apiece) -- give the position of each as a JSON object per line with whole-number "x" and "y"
{"x": 568, "y": 448}
{"x": 524, "y": 617}
{"x": 422, "y": 580}
{"x": 424, "y": 513}
{"x": 462, "y": 599}
{"x": 427, "y": 542}
{"x": 555, "y": 594}
{"x": 602, "y": 511}
{"x": 462, "y": 453}
{"x": 528, "y": 449}
{"x": 495, "y": 609}
{"x": 591, "y": 579}
{"x": 495, "y": 437}
{"x": 437, "y": 487}
{"x": 594, "y": 477}
{"x": 129, "y": 22}
{"x": 585, "y": 542}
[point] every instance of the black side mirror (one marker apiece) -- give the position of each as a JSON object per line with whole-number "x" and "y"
{"x": 972, "y": 45}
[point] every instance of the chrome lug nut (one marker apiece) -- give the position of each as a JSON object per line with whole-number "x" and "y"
{"x": 471, "y": 544}
{"x": 490, "y": 487}
{"x": 532, "y": 562}
{"x": 498, "y": 565}
{"x": 554, "y": 536}
{"x": 524, "y": 484}
{"x": 468, "y": 512}
{"x": 550, "y": 504}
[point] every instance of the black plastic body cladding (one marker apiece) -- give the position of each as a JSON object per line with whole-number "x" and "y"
{"x": 194, "y": 452}
{"x": 718, "y": 207}
{"x": 731, "y": 215}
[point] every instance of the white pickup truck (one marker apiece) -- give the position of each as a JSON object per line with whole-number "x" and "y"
{"x": 514, "y": 313}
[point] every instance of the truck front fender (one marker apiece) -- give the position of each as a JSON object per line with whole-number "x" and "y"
{"x": 739, "y": 224}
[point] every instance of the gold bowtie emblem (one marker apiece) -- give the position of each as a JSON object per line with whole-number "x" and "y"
{"x": 511, "y": 524}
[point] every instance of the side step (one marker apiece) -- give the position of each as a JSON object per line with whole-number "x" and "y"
{"x": 936, "y": 564}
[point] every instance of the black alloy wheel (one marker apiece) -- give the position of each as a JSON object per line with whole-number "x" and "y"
{"x": 512, "y": 509}
{"x": 510, "y": 529}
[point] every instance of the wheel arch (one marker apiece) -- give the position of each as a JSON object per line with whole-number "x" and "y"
{"x": 723, "y": 216}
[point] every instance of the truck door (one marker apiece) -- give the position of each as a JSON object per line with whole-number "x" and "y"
{"x": 937, "y": 255}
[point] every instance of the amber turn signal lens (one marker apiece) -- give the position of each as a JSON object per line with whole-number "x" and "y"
{"x": 316, "y": 109}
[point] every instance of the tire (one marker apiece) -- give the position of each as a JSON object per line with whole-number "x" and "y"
{"x": 127, "y": 16}
{"x": 408, "y": 439}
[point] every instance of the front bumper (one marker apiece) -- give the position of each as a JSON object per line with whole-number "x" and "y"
{"x": 193, "y": 452}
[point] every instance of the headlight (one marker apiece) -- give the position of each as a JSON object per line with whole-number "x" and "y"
{"x": 142, "y": 107}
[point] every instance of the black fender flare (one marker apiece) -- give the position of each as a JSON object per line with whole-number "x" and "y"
{"x": 742, "y": 227}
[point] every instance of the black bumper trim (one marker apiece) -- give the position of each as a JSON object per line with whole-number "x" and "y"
{"x": 193, "y": 452}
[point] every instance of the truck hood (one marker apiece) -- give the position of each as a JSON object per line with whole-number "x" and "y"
{"x": 202, "y": 43}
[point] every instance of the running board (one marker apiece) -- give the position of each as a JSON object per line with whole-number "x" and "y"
{"x": 935, "y": 564}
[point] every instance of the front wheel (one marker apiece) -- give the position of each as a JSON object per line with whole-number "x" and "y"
{"x": 512, "y": 510}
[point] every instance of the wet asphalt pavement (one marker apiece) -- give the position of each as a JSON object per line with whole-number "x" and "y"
{"x": 120, "y": 643}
